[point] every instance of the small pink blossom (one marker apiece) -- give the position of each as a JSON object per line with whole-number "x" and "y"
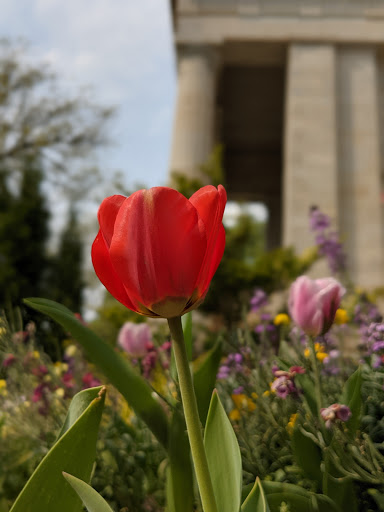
{"x": 8, "y": 360}
{"x": 135, "y": 338}
{"x": 335, "y": 412}
{"x": 90, "y": 381}
{"x": 313, "y": 303}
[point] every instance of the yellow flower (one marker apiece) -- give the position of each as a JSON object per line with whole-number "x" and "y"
{"x": 266, "y": 393}
{"x": 321, "y": 356}
{"x": 282, "y": 319}
{"x": 60, "y": 367}
{"x": 239, "y": 400}
{"x": 320, "y": 352}
{"x": 3, "y": 387}
{"x": 341, "y": 317}
{"x": 291, "y": 423}
{"x": 36, "y": 354}
{"x": 234, "y": 415}
{"x": 243, "y": 402}
{"x": 60, "y": 392}
{"x": 71, "y": 350}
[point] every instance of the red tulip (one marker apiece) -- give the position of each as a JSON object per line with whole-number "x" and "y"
{"x": 156, "y": 251}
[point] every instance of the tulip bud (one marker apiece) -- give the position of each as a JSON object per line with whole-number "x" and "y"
{"x": 313, "y": 303}
{"x": 134, "y": 338}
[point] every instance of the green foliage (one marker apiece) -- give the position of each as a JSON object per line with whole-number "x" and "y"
{"x": 66, "y": 282}
{"x": 134, "y": 389}
{"x": 110, "y": 318}
{"x": 74, "y": 451}
{"x": 256, "y": 500}
{"x": 91, "y": 499}
{"x": 205, "y": 369}
{"x": 180, "y": 482}
{"x": 23, "y": 236}
{"x": 278, "y": 268}
{"x": 351, "y": 397}
{"x": 223, "y": 456}
{"x": 211, "y": 172}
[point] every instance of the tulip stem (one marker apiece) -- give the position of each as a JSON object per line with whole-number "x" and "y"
{"x": 315, "y": 365}
{"x": 192, "y": 419}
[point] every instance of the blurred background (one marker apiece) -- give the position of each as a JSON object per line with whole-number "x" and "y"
{"x": 281, "y": 101}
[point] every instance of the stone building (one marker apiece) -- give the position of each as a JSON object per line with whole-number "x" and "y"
{"x": 294, "y": 90}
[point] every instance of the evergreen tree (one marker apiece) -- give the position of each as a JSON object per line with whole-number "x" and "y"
{"x": 23, "y": 235}
{"x": 66, "y": 282}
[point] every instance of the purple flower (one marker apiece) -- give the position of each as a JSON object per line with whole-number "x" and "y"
{"x": 283, "y": 386}
{"x": 149, "y": 362}
{"x": 318, "y": 221}
{"x": 232, "y": 364}
{"x": 258, "y": 300}
{"x": 377, "y": 346}
{"x": 327, "y": 241}
{"x": 335, "y": 412}
{"x": 284, "y": 383}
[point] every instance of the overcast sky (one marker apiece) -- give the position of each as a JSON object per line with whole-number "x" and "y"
{"x": 123, "y": 50}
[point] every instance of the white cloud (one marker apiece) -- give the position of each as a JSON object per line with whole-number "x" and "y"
{"x": 122, "y": 49}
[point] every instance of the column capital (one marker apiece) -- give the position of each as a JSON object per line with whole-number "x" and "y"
{"x": 209, "y": 52}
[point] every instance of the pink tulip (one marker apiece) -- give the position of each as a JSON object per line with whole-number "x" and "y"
{"x": 134, "y": 338}
{"x": 313, "y": 303}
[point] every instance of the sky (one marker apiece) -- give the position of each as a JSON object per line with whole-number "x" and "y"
{"x": 121, "y": 50}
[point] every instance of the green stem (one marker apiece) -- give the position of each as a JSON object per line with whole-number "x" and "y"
{"x": 315, "y": 365}
{"x": 192, "y": 419}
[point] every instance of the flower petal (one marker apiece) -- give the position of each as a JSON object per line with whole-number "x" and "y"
{"x": 158, "y": 245}
{"x": 210, "y": 204}
{"x": 108, "y": 210}
{"x": 107, "y": 274}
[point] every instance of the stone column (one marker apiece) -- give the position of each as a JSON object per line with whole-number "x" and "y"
{"x": 359, "y": 150}
{"x": 194, "y": 122}
{"x": 310, "y": 144}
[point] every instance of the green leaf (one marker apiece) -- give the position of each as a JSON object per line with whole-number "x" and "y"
{"x": 307, "y": 455}
{"x": 78, "y": 405}
{"x": 305, "y": 383}
{"x": 339, "y": 488}
{"x": 180, "y": 484}
{"x": 351, "y": 397}
{"x": 135, "y": 389}
{"x": 205, "y": 369}
{"x": 224, "y": 459}
{"x": 256, "y": 500}
{"x": 91, "y": 498}
{"x": 299, "y": 499}
{"x": 73, "y": 452}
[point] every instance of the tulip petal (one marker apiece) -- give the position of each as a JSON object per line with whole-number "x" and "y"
{"x": 210, "y": 204}
{"x": 107, "y": 274}
{"x": 158, "y": 246}
{"x": 215, "y": 259}
{"x": 108, "y": 210}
